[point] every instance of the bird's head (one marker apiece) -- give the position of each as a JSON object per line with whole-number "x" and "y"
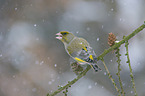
{"x": 65, "y": 36}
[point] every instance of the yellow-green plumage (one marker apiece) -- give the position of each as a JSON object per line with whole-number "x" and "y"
{"x": 79, "y": 49}
{"x": 76, "y": 45}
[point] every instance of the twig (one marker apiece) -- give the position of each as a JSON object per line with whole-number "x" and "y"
{"x": 101, "y": 56}
{"x": 122, "y": 41}
{"x": 110, "y": 77}
{"x": 119, "y": 69}
{"x": 71, "y": 82}
{"x": 65, "y": 92}
{"x": 131, "y": 73}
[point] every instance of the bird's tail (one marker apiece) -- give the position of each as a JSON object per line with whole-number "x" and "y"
{"x": 95, "y": 67}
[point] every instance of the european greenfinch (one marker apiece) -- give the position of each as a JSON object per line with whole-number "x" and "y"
{"x": 79, "y": 49}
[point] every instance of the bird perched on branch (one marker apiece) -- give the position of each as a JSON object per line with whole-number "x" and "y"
{"x": 79, "y": 49}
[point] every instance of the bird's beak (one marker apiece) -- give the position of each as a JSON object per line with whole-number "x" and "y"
{"x": 59, "y": 36}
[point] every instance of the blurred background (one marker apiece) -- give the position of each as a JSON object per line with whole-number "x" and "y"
{"x": 33, "y": 62}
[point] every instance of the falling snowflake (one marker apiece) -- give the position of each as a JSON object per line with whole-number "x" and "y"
{"x": 95, "y": 83}
{"x": 112, "y": 9}
{"x": 1, "y": 55}
{"x": 105, "y": 73}
{"x": 55, "y": 65}
{"x": 77, "y": 32}
{"x": 102, "y": 26}
{"x": 16, "y": 9}
{"x": 88, "y": 28}
{"x": 35, "y": 25}
{"x": 34, "y": 89}
{"x": 89, "y": 87}
{"x": 41, "y": 62}
{"x": 49, "y": 82}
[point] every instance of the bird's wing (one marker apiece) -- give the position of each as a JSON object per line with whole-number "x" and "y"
{"x": 85, "y": 55}
{"x": 80, "y": 50}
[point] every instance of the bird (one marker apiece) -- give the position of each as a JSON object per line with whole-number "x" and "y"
{"x": 79, "y": 49}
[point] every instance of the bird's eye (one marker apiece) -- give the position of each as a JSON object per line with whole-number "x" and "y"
{"x": 64, "y": 33}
